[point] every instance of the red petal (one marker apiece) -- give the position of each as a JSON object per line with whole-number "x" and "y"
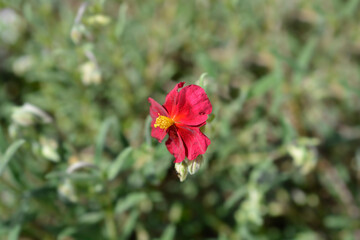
{"x": 175, "y": 145}
{"x": 155, "y": 109}
{"x": 195, "y": 141}
{"x": 171, "y": 98}
{"x": 157, "y": 133}
{"x": 192, "y": 106}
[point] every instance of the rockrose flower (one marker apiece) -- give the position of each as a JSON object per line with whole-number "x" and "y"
{"x": 181, "y": 117}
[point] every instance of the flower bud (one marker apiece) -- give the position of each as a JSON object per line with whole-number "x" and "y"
{"x": 78, "y": 165}
{"x": 195, "y": 164}
{"x": 67, "y": 190}
{"x": 22, "y": 117}
{"x": 12, "y": 26}
{"x": 23, "y": 64}
{"x": 90, "y": 73}
{"x": 49, "y": 149}
{"x": 77, "y": 33}
{"x": 304, "y": 157}
{"x": 98, "y": 20}
{"x": 181, "y": 169}
{"x": 29, "y": 114}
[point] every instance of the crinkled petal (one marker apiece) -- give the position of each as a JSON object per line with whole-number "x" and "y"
{"x": 155, "y": 110}
{"x": 195, "y": 141}
{"x": 175, "y": 145}
{"x": 192, "y": 106}
{"x": 171, "y": 98}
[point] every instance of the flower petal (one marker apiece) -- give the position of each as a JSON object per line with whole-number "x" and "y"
{"x": 157, "y": 133}
{"x": 175, "y": 145}
{"x": 171, "y": 98}
{"x": 155, "y": 110}
{"x": 192, "y": 106}
{"x": 195, "y": 141}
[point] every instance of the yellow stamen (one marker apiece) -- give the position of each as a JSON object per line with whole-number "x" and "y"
{"x": 163, "y": 122}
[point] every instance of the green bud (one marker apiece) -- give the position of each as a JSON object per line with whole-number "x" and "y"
{"x": 49, "y": 149}
{"x": 181, "y": 169}
{"x": 67, "y": 190}
{"x": 195, "y": 164}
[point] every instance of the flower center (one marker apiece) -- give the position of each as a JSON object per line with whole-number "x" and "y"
{"x": 163, "y": 122}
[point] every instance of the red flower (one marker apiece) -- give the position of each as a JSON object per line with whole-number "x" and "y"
{"x": 181, "y": 116}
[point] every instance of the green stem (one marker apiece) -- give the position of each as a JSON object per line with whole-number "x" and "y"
{"x": 110, "y": 224}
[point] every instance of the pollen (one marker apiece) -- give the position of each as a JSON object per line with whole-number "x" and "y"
{"x": 163, "y": 122}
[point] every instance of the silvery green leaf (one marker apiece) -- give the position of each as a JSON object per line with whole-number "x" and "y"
{"x": 9, "y": 154}
{"x": 116, "y": 166}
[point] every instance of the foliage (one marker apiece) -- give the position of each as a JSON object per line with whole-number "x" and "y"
{"x": 76, "y": 157}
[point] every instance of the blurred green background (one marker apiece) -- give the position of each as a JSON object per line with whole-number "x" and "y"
{"x": 76, "y": 157}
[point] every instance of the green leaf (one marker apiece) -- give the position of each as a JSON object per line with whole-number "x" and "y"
{"x": 234, "y": 198}
{"x": 304, "y": 59}
{"x": 121, "y": 22}
{"x": 148, "y": 130}
{"x": 265, "y": 84}
{"x": 9, "y": 154}
{"x": 67, "y": 232}
{"x": 169, "y": 232}
{"x": 115, "y": 166}
{"x": 288, "y": 130}
{"x": 91, "y": 217}
{"x": 307, "y": 235}
{"x": 307, "y": 53}
{"x": 129, "y": 201}
{"x": 337, "y": 221}
{"x": 350, "y": 8}
{"x": 14, "y": 233}
{"x": 239, "y": 102}
{"x": 206, "y": 63}
{"x": 2, "y": 140}
{"x": 130, "y": 223}
{"x": 201, "y": 80}
{"x": 100, "y": 141}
